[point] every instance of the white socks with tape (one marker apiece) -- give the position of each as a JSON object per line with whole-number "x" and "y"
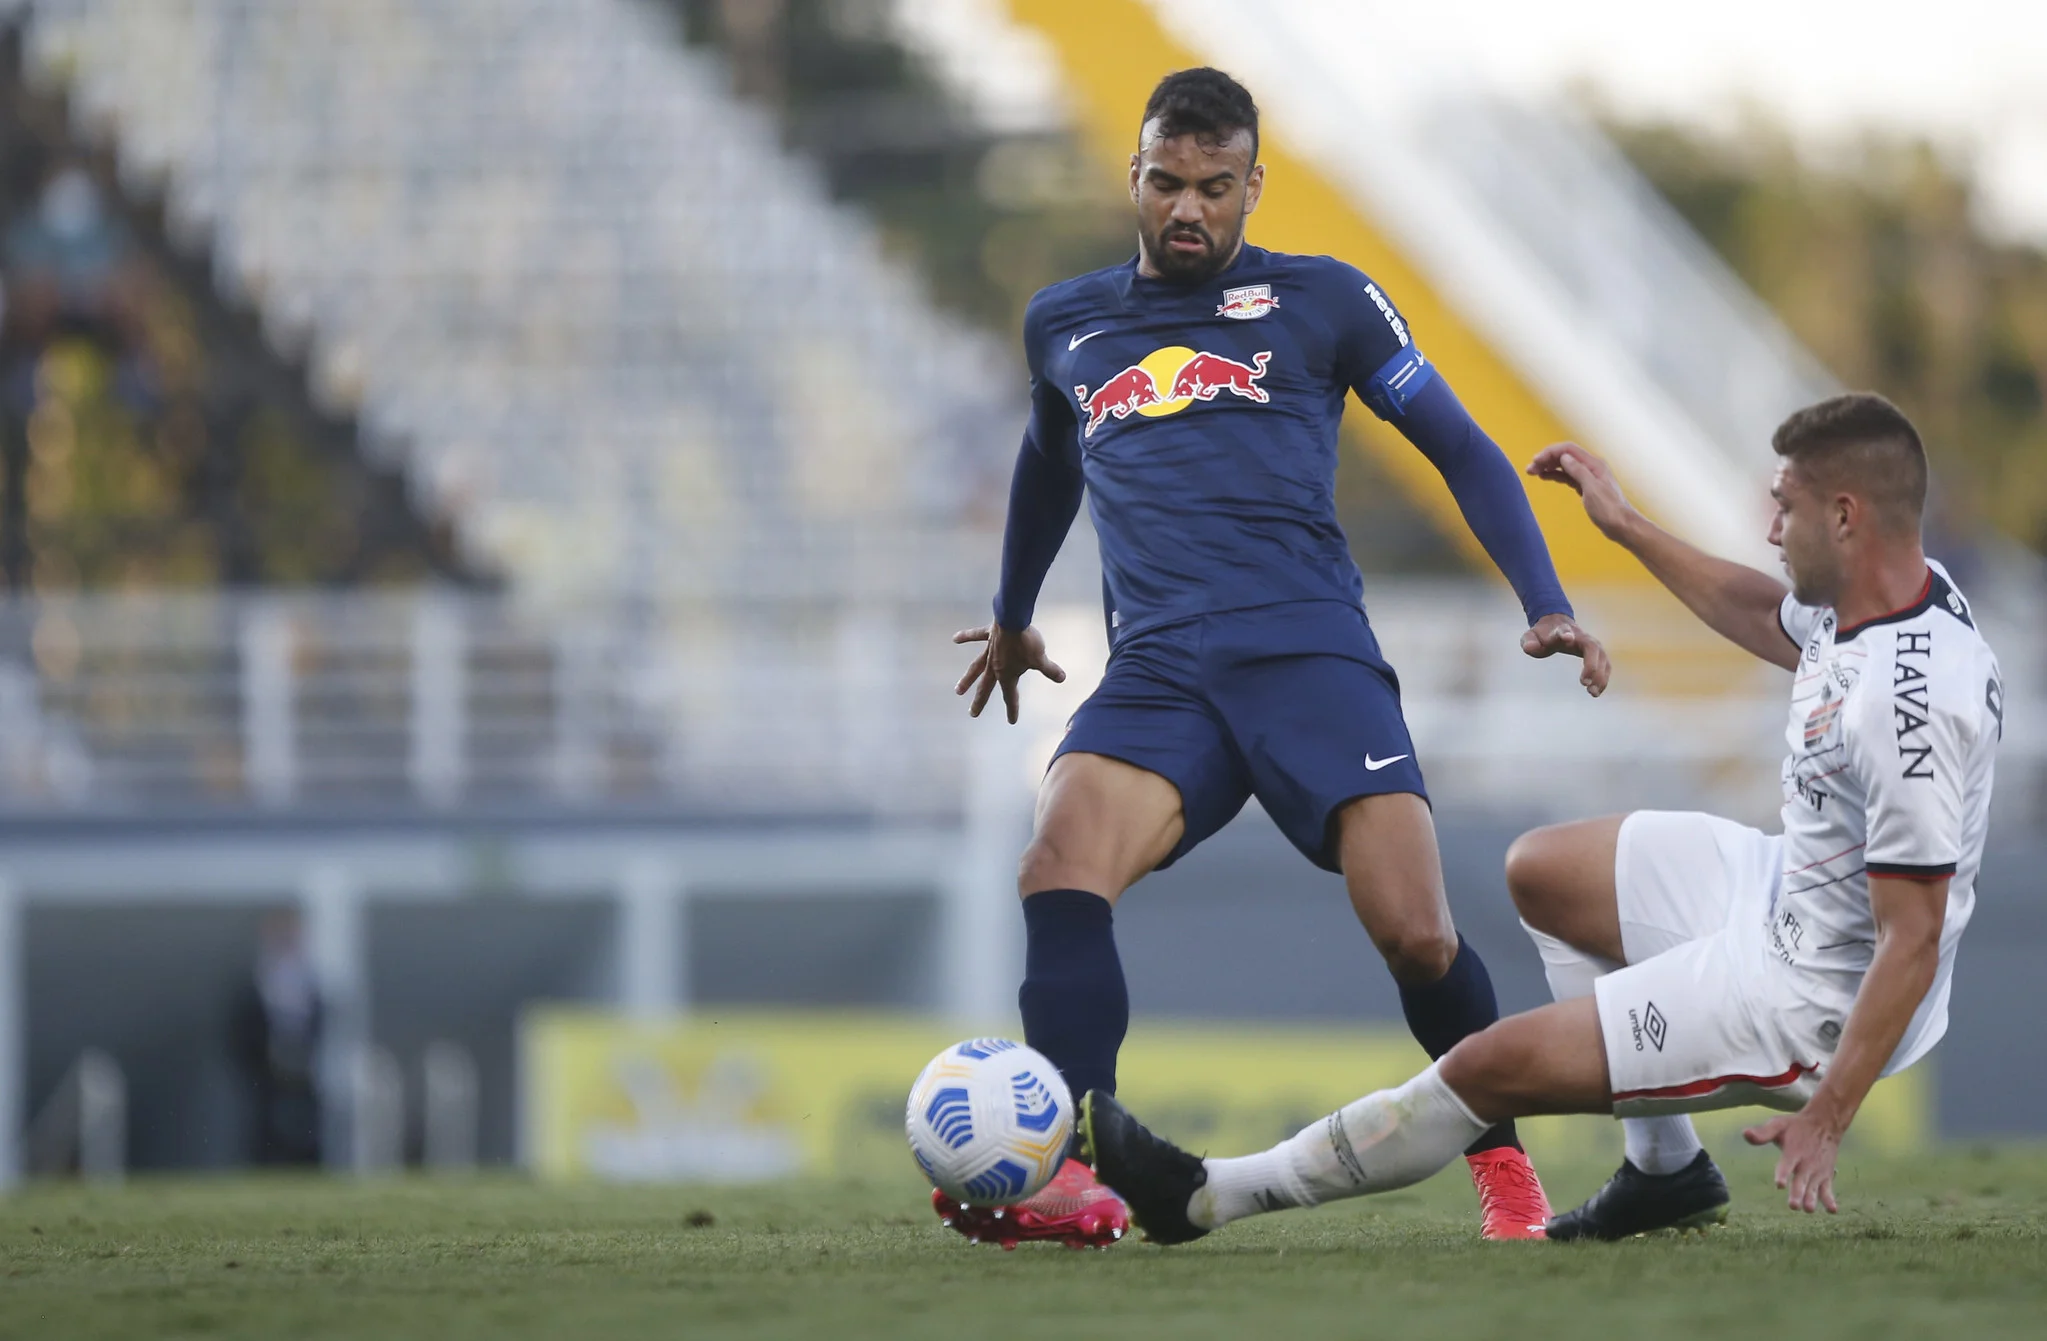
{"x": 1383, "y": 1141}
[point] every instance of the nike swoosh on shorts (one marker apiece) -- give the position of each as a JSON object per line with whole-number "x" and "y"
{"x": 1374, "y": 765}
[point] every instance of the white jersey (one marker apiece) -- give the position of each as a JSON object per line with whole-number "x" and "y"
{"x": 1893, "y": 737}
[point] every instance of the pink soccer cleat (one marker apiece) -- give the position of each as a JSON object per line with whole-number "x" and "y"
{"x": 1510, "y": 1196}
{"x": 1072, "y": 1209}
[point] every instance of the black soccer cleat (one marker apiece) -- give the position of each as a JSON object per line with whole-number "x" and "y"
{"x": 1153, "y": 1176}
{"x": 1634, "y": 1202}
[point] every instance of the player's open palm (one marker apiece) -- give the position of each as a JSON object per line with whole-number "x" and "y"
{"x": 1005, "y": 656}
{"x": 1568, "y": 464}
{"x": 1806, "y": 1166}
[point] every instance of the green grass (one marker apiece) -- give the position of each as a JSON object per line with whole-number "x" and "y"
{"x": 1951, "y": 1246}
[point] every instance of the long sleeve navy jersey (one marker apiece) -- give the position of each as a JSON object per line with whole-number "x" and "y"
{"x": 1202, "y": 420}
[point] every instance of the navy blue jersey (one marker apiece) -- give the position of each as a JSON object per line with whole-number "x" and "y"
{"x": 1203, "y": 419}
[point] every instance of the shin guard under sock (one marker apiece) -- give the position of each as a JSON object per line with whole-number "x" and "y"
{"x": 1074, "y": 1004}
{"x": 1456, "y": 1005}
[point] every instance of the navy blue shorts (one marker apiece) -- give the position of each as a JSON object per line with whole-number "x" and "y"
{"x": 1289, "y": 703}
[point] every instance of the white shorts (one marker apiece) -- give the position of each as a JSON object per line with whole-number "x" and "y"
{"x": 1697, "y": 1019}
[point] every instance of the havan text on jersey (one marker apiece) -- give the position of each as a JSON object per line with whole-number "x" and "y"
{"x": 1908, "y": 670}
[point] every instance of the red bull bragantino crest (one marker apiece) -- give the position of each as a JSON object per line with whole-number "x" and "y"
{"x": 1248, "y": 303}
{"x": 1168, "y": 380}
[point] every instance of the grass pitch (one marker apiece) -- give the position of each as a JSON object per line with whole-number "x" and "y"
{"x": 1950, "y": 1246}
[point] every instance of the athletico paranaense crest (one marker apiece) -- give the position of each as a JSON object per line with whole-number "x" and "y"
{"x": 1821, "y": 720}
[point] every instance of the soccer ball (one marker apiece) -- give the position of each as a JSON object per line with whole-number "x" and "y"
{"x": 988, "y": 1121}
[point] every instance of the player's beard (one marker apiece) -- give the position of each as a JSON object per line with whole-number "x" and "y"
{"x": 1192, "y": 267}
{"x": 1815, "y": 577}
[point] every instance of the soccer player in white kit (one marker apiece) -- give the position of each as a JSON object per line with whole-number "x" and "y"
{"x": 1698, "y": 963}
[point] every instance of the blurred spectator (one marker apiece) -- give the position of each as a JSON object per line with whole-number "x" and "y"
{"x": 68, "y": 260}
{"x": 72, "y": 287}
{"x": 277, "y": 1021}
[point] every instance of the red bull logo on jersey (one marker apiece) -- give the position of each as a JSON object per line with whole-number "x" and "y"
{"x": 1167, "y": 381}
{"x": 1248, "y": 303}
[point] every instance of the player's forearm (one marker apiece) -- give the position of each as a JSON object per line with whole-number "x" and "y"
{"x": 1899, "y": 977}
{"x": 1489, "y": 493}
{"x": 1737, "y": 602}
{"x": 1496, "y": 509}
{"x": 1044, "y": 497}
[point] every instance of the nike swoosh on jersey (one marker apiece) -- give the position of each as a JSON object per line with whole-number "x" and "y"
{"x": 1074, "y": 342}
{"x": 1374, "y": 765}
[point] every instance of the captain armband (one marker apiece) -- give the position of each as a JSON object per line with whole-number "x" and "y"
{"x": 1400, "y": 381}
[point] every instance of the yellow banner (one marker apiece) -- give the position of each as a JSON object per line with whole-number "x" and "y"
{"x": 750, "y": 1096}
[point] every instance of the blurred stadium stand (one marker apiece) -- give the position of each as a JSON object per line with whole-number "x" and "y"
{"x": 671, "y": 440}
{"x": 617, "y": 376}
{"x": 152, "y": 435}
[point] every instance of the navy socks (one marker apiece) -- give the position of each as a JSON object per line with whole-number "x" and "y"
{"x": 1076, "y": 1009}
{"x": 1074, "y": 1004}
{"x": 1459, "y": 1003}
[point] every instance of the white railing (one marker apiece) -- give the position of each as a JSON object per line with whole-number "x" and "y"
{"x": 325, "y": 703}
{"x": 372, "y": 704}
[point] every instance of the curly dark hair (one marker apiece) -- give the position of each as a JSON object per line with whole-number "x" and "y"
{"x": 1204, "y": 102}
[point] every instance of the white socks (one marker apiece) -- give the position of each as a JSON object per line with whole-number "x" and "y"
{"x": 1655, "y": 1145}
{"x": 1398, "y": 1137}
{"x": 1661, "y": 1144}
{"x": 1383, "y": 1141}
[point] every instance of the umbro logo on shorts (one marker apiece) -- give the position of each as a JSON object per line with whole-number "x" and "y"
{"x": 1649, "y": 1024}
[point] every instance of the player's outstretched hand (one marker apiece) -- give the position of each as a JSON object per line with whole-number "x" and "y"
{"x": 1568, "y": 464}
{"x": 1806, "y": 1167}
{"x": 1560, "y": 633}
{"x": 1007, "y": 655}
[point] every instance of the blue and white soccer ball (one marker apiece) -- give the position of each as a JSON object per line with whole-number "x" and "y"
{"x": 989, "y": 1120}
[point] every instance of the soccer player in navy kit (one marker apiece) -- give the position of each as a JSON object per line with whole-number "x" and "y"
{"x": 1194, "y": 395}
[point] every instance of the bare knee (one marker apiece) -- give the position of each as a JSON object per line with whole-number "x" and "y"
{"x": 1417, "y": 953}
{"x": 1060, "y": 858}
{"x": 1535, "y": 864}
{"x": 1524, "y": 872}
{"x": 1561, "y": 879}
{"x": 1049, "y": 864}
